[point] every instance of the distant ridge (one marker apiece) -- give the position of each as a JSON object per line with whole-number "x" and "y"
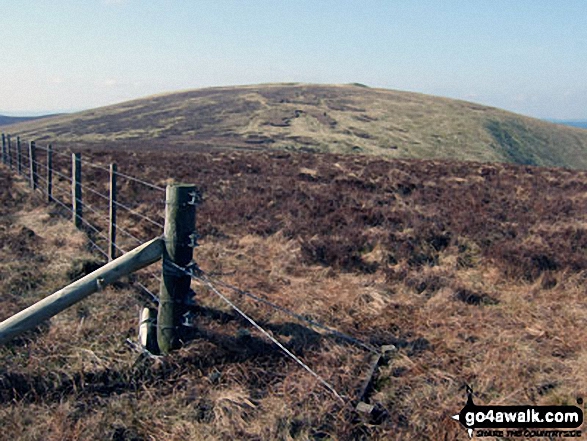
{"x": 572, "y": 123}
{"x": 7, "y": 120}
{"x": 350, "y": 119}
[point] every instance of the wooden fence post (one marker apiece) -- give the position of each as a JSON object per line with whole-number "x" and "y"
{"x": 112, "y": 229}
{"x": 179, "y": 234}
{"x": 33, "y": 164}
{"x": 32, "y": 316}
{"x": 3, "y": 148}
{"x": 76, "y": 189}
{"x": 18, "y": 156}
{"x": 49, "y": 173}
{"x": 8, "y": 153}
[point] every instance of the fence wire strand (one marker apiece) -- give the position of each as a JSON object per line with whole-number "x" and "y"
{"x": 204, "y": 280}
{"x": 311, "y": 322}
{"x": 140, "y": 181}
{"x": 98, "y": 247}
{"x": 136, "y": 213}
{"x": 61, "y": 175}
{"x": 209, "y": 284}
{"x": 25, "y": 170}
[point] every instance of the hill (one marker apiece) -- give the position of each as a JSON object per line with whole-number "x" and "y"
{"x": 475, "y": 272}
{"x": 10, "y": 120}
{"x": 321, "y": 118}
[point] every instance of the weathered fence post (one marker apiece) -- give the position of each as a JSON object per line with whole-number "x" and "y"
{"x": 8, "y": 153}
{"x": 33, "y": 164}
{"x": 3, "y": 148}
{"x": 112, "y": 229}
{"x": 32, "y": 316}
{"x": 49, "y": 173}
{"x": 76, "y": 189}
{"x": 18, "y": 156}
{"x": 179, "y": 234}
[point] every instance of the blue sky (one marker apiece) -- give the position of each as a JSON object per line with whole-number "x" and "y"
{"x": 527, "y": 56}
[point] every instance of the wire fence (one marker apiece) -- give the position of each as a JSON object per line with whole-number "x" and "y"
{"x": 48, "y": 169}
{"x": 99, "y": 224}
{"x": 202, "y": 277}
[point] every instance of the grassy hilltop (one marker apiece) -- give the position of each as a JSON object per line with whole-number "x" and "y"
{"x": 321, "y": 118}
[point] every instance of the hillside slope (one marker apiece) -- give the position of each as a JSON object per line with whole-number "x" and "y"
{"x": 321, "y": 118}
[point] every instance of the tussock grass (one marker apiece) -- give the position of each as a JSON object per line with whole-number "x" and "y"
{"x": 475, "y": 272}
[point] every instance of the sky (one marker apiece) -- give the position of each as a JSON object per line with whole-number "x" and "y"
{"x": 526, "y": 56}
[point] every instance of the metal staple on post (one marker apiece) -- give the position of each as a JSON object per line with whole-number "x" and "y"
{"x": 76, "y": 189}
{"x": 112, "y": 211}
{"x": 180, "y": 218}
{"x": 33, "y": 164}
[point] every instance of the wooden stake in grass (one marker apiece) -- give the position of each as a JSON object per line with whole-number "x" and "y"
{"x": 18, "y": 156}
{"x": 112, "y": 227}
{"x": 8, "y": 153}
{"x": 76, "y": 189}
{"x": 148, "y": 330}
{"x": 33, "y": 164}
{"x": 49, "y": 173}
{"x": 3, "y": 148}
{"x": 180, "y": 218}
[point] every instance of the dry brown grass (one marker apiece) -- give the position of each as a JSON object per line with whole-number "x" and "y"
{"x": 473, "y": 285}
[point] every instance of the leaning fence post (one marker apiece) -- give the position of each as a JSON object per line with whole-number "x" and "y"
{"x": 33, "y": 164}
{"x": 8, "y": 153}
{"x": 112, "y": 229}
{"x": 76, "y": 189}
{"x": 179, "y": 236}
{"x": 49, "y": 173}
{"x": 3, "y": 148}
{"x": 18, "y": 156}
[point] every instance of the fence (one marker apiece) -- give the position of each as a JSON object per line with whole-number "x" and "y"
{"x": 174, "y": 248}
{"x": 99, "y": 211}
